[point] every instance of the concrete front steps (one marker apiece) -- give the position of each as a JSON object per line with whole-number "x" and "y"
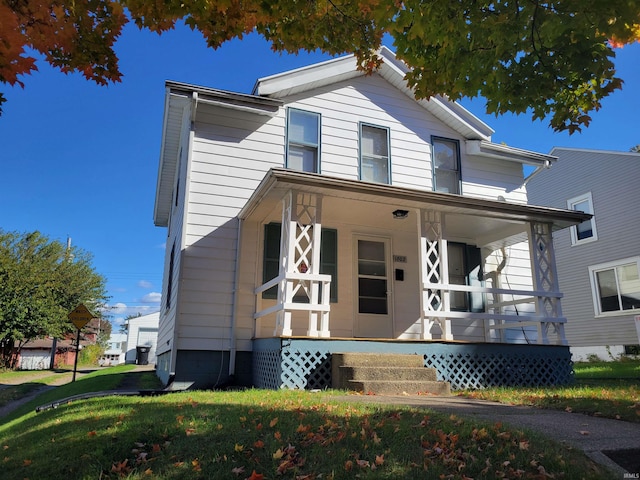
{"x": 385, "y": 374}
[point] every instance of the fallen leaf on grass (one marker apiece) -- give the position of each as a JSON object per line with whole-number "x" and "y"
{"x": 348, "y": 465}
{"x": 256, "y": 476}
{"x": 273, "y": 422}
{"x": 92, "y": 433}
{"x": 237, "y": 470}
{"x": 258, "y": 444}
{"x": 380, "y": 459}
{"x": 190, "y": 431}
{"x": 26, "y": 463}
{"x": 148, "y": 471}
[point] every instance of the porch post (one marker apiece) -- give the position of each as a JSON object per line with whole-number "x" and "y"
{"x": 300, "y": 254}
{"x": 285, "y": 288}
{"x": 543, "y": 263}
{"x": 433, "y": 262}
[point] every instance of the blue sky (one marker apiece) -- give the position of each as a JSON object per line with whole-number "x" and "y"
{"x": 80, "y": 161}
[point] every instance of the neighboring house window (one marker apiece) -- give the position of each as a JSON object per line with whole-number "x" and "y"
{"x": 170, "y": 279}
{"x": 303, "y": 140}
{"x": 446, "y": 165}
{"x": 374, "y": 154}
{"x": 271, "y": 258}
{"x": 465, "y": 268}
{"x": 616, "y": 285}
{"x": 586, "y": 231}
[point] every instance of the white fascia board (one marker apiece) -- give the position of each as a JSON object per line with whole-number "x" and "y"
{"x": 484, "y": 148}
{"x": 448, "y": 111}
{"x": 324, "y": 72}
{"x": 556, "y": 150}
{"x": 174, "y": 108}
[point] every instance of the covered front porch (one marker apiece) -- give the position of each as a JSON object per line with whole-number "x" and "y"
{"x": 398, "y": 264}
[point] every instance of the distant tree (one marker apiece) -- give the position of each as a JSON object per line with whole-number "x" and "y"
{"x": 41, "y": 281}
{"x": 552, "y": 59}
{"x": 124, "y": 328}
{"x": 635, "y": 149}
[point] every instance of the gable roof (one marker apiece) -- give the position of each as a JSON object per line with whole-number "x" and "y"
{"x": 392, "y": 70}
{"x": 182, "y": 100}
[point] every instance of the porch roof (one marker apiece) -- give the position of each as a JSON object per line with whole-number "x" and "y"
{"x": 492, "y": 221}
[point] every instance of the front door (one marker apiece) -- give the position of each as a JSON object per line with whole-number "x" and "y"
{"x": 373, "y": 288}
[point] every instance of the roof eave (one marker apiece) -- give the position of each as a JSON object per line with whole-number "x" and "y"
{"x": 504, "y": 152}
{"x": 560, "y": 218}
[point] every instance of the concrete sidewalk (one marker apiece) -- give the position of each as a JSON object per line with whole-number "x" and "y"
{"x": 593, "y": 435}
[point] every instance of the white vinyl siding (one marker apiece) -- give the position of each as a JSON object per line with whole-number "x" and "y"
{"x": 586, "y": 231}
{"x": 232, "y": 151}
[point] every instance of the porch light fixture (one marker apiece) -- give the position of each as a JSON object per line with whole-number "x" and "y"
{"x": 400, "y": 214}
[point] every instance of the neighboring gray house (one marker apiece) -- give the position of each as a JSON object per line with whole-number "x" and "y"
{"x": 598, "y": 260}
{"x": 330, "y": 211}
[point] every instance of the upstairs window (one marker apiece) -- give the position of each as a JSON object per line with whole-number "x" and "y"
{"x": 303, "y": 140}
{"x": 586, "y": 231}
{"x": 446, "y": 165}
{"x": 616, "y": 286}
{"x": 374, "y": 154}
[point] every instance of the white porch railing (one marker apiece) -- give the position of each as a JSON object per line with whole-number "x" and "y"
{"x": 316, "y": 288}
{"x": 496, "y": 317}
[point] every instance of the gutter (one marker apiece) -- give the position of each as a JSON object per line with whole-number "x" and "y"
{"x": 234, "y": 300}
{"x": 540, "y": 168}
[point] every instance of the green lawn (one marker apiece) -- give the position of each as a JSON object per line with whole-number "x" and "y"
{"x": 258, "y": 434}
{"x": 607, "y": 389}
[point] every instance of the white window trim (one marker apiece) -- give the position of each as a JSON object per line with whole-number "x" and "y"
{"x": 593, "y": 269}
{"x": 574, "y": 230}
{"x": 304, "y": 144}
{"x": 434, "y": 177}
{"x": 388, "y": 132}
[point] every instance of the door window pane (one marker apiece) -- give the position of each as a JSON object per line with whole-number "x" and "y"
{"x": 372, "y": 281}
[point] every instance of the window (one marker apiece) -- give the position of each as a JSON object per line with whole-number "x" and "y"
{"x": 374, "y": 154}
{"x": 446, "y": 165}
{"x": 586, "y": 231}
{"x": 616, "y": 286}
{"x": 465, "y": 268}
{"x": 303, "y": 140}
{"x": 271, "y": 258}
{"x": 170, "y": 279}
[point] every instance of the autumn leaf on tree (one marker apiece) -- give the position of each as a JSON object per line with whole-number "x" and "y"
{"x": 522, "y": 57}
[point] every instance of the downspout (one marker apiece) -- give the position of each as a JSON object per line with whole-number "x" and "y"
{"x": 234, "y": 312}
{"x": 540, "y": 168}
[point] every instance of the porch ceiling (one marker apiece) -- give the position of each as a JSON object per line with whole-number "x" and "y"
{"x": 482, "y": 222}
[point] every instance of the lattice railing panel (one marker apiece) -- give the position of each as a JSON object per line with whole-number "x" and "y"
{"x": 469, "y": 371}
{"x": 306, "y": 370}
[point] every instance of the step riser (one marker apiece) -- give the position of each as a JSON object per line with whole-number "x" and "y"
{"x": 399, "y": 388}
{"x": 421, "y": 374}
{"x": 385, "y": 374}
{"x": 376, "y": 359}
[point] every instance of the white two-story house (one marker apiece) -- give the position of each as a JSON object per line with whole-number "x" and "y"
{"x": 330, "y": 211}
